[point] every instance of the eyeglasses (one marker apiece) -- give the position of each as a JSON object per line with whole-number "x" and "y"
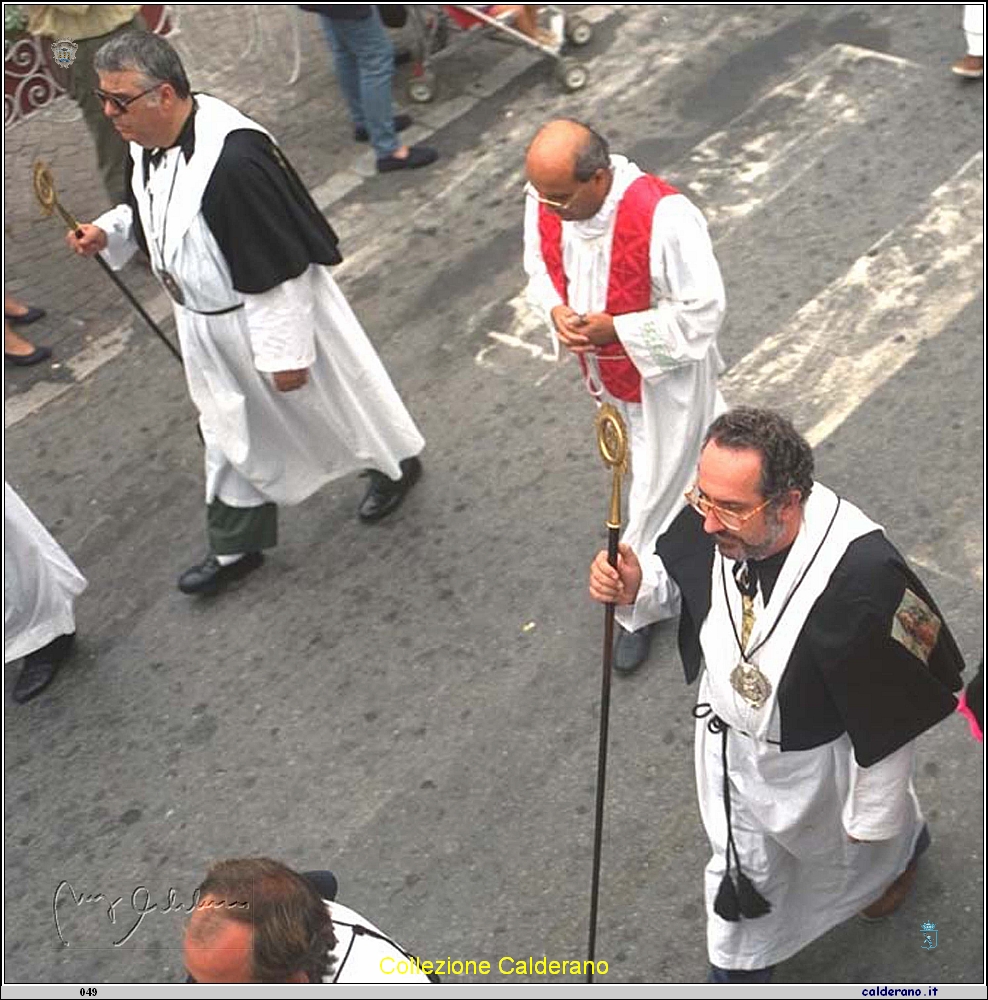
{"x": 731, "y": 520}
{"x": 122, "y": 103}
{"x": 559, "y": 206}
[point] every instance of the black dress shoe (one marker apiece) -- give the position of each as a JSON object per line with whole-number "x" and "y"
{"x": 209, "y": 576}
{"x": 32, "y": 315}
{"x": 40, "y": 667}
{"x": 401, "y": 123}
{"x": 418, "y": 156}
{"x": 384, "y": 495}
{"x": 24, "y": 360}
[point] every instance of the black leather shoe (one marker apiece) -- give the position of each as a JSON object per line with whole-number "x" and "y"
{"x": 32, "y": 315}
{"x": 384, "y": 495}
{"x": 418, "y": 156}
{"x": 40, "y": 667}
{"x": 209, "y": 576}
{"x": 38, "y": 355}
{"x": 401, "y": 122}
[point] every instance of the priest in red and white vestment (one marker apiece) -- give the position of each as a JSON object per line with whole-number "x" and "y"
{"x": 621, "y": 265}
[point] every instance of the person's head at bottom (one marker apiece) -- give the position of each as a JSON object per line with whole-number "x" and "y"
{"x": 257, "y": 921}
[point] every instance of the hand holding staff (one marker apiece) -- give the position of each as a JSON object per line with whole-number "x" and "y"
{"x": 612, "y": 441}
{"x": 88, "y": 240}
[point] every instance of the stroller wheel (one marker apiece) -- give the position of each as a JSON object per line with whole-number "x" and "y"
{"x": 572, "y": 75}
{"x": 422, "y": 89}
{"x": 578, "y": 31}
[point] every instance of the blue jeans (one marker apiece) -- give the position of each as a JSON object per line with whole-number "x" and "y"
{"x": 365, "y": 64}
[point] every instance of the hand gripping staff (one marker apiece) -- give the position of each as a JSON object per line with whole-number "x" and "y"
{"x": 612, "y": 441}
{"x": 44, "y": 191}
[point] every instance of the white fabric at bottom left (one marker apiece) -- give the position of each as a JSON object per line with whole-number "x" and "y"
{"x": 40, "y": 582}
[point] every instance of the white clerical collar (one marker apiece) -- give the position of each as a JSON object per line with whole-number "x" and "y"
{"x": 625, "y": 173}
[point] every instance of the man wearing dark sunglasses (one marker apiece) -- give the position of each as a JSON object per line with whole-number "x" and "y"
{"x": 290, "y": 391}
{"x": 823, "y": 658}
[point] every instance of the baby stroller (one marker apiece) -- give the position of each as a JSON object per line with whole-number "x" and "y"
{"x": 440, "y": 30}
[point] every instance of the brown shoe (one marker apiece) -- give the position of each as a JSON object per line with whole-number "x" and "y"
{"x": 972, "y": 67}
{"x": 893, "y": 897}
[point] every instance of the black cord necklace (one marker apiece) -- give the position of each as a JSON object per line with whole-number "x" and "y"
{"x": 171, "y": 285}
{"x": 746, "y": 678}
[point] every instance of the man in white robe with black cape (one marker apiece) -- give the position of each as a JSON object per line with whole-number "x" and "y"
{"x": 825, "y": 658}
{"x": 290, "y": 391}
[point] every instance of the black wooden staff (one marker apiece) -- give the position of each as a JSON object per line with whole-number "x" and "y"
{"x": 612, "y": 441}
{"x": 44, "y": 191}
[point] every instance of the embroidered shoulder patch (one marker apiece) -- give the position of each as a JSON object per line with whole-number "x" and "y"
{"x": 915, "y": 626}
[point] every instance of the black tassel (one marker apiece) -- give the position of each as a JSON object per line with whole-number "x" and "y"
{"x": 751, "y": 901}
{"x": 726, "y": 904}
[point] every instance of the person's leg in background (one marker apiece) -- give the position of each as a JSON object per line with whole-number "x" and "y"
{"x": 972, "y": 66}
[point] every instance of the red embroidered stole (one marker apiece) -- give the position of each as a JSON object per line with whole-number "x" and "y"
{"x": 629, "y": 282}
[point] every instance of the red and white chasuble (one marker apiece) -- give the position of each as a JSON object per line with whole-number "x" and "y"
{"x": 645, "y": 258}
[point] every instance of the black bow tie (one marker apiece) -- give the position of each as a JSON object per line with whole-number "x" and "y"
{"x": 152, "y": 157}
{"x": 745, "y": 579}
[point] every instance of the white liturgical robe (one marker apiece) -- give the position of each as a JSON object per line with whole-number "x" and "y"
{"x": 673, "y": 345}
{"x": 40, "y": 582}
{"x": 820, "y": 836}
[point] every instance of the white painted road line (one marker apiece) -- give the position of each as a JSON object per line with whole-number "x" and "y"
{"x": 771, "y": 145}
{"x": 863, "y": 328}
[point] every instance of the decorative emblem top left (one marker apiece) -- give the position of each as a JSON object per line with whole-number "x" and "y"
{"x": 64, "y": 51}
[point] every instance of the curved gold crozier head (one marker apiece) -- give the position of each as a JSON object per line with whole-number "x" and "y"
{"x": 44, "y": 191}
{"x": 44, "y": 187}
{"x": 612, "y": 442}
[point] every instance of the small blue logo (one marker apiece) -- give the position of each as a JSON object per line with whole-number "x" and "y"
{"x": 64, "y": 52}
{"x": 929, "y": 936}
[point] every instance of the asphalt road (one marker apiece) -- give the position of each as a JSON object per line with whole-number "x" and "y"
{"x": 415, "y": 704}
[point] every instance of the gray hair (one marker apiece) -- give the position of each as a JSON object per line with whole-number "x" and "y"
{"x": 145, "y": 53}
{"x": 592, "y": 156}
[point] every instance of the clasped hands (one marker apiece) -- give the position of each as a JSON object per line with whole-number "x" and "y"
{"x": 583, "y": 332}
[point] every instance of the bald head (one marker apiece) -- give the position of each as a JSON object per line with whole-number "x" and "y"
{"x": 565, "y": 156}
{"x": 218, "y": 949}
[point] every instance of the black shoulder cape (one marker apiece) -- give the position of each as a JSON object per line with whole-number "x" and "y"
{"x": 260, "y": 213}
{"x": 846, "y": 672}
{"x": 264, "y": 220}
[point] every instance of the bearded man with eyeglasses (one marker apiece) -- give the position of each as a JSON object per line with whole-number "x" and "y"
{"x": 825, "y": 658}
{"x": 621, "y": 265}
{"x": 290, "y": 391}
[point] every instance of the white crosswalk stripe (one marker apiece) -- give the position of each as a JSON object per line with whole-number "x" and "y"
{"x": 771, "y": 146}
{"x": 853, "y": 337}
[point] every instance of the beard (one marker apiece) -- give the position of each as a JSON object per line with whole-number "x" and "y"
{"x": 732, "y": 546}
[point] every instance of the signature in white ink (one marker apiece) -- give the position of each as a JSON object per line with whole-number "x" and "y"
{"x": 140, "y": 904}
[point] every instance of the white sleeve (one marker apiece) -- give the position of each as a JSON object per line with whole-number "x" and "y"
{"x": 687, "y": 290}
{"x": 282, "y": 325}
{"x": 118, "y": 224}
{"x": 540, "y": 292}
{"x": 879, "y": 800}
{"x": 656, "y": 593}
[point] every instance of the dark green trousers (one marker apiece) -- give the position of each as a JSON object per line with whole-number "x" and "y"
{"x": 241, "y": 529}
